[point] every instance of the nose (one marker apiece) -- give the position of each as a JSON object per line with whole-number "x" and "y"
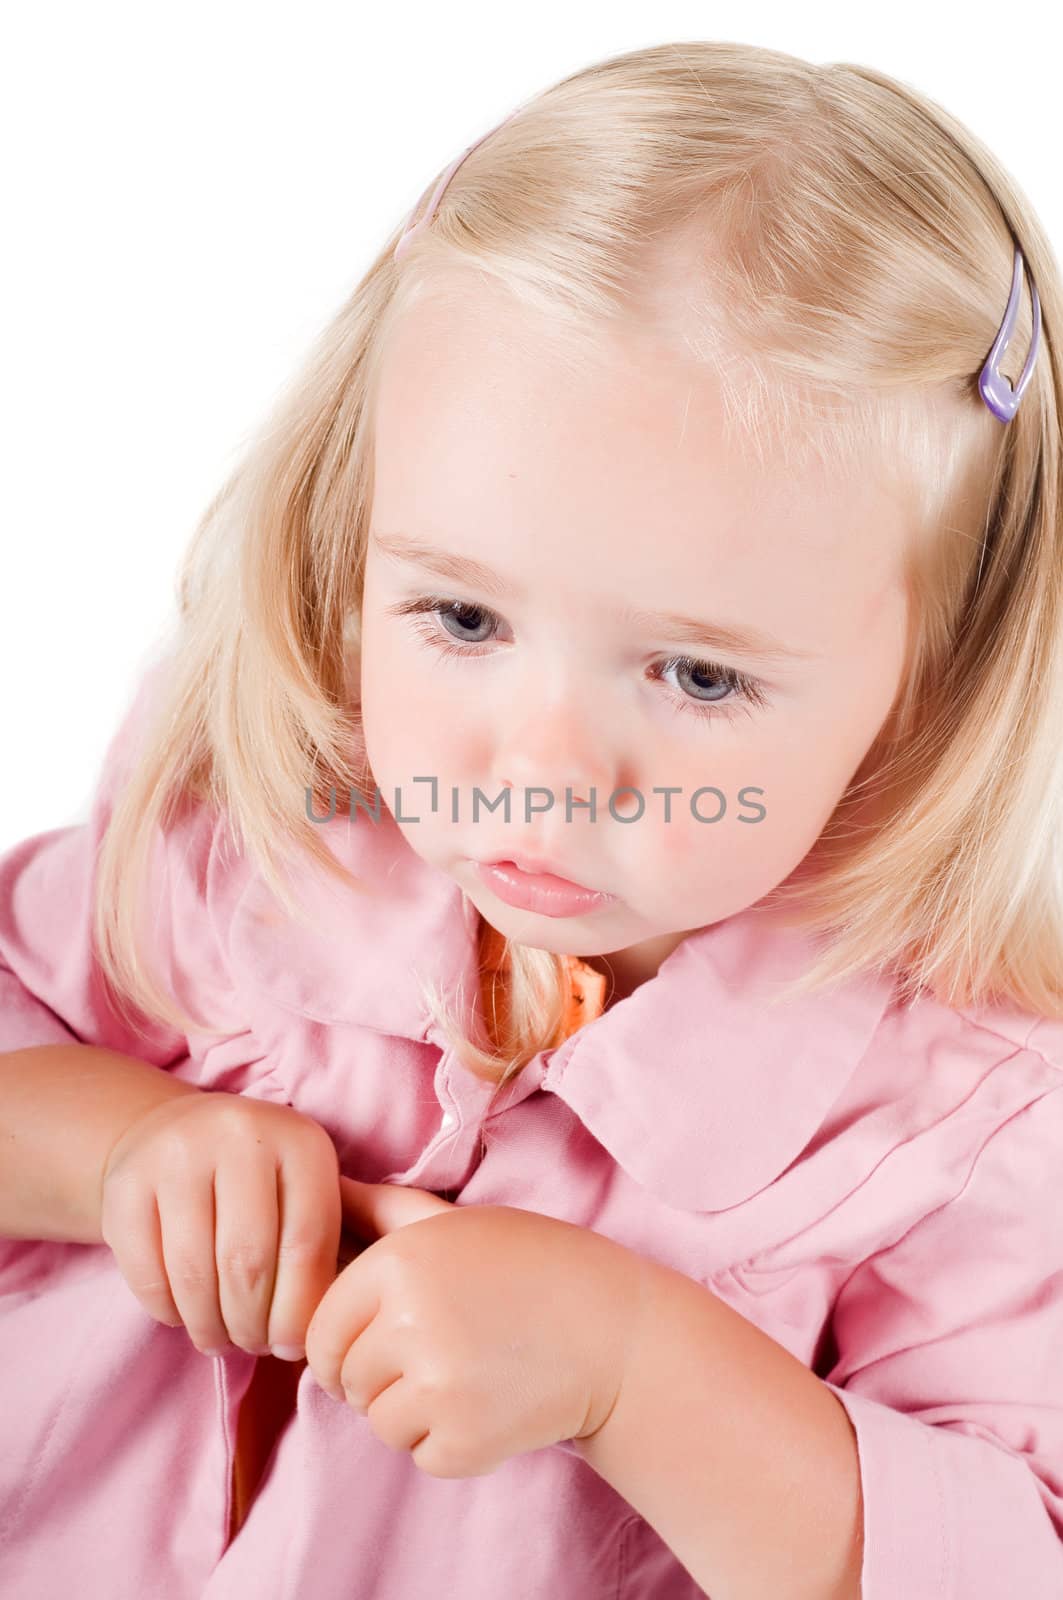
{"x": 557, "y": 748}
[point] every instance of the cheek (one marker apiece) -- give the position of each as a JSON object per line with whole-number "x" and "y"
{"x": 796, "y": 778}
{"x": 402, "y": 734}
{"x": 415, "y": 719}
{"x": 749, "y": 810}
{"x": 691, "y": 840}
{"x": 391, "y": 699}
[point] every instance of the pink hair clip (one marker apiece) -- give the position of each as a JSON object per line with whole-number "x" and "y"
{"x": 414, "y": 228}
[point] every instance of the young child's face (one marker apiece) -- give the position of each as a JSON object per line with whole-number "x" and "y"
{"x": 585, "y": 496}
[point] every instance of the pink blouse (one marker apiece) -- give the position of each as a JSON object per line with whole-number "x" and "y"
{"x": 879, "y": 1187}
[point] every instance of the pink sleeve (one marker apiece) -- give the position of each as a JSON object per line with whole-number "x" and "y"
{"x": 951, "y": 1370}
{"x": 51, "y": 989}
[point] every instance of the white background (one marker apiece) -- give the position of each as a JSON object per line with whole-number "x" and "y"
{"x": 189, "y": 195}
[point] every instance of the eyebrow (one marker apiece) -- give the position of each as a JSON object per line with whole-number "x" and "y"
{"x": 727, "y": 638}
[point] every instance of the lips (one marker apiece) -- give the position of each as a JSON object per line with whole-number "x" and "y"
{"x": 542, "y": 893}
{"x": 539, "y": 867}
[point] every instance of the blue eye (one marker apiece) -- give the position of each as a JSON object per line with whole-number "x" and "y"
{"x": 459, "y": 611}
{"x": 431, "y": 612}
{"x": 745, "y": 693}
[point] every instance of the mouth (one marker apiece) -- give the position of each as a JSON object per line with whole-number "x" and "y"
{"x": 535, "y": 885}
{"x": 540, "y": 867}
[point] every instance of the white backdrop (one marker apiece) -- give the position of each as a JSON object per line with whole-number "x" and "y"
{"x": 190, "y": 193}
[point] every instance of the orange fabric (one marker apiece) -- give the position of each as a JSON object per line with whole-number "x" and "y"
{"x": 586, "y": 986}
{"x": 270, "y": 1398}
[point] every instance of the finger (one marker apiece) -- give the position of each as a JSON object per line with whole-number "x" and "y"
{"x": 346, "y": 1311}
{"x": 186, "y": 1218}
{"x": 129, "y": 1223}
{"x": 370, "y": 1366}
{"x": 245, "y": 1242}
{"x": 373, "y": 1209}
{"x": 310, "y": 1220}
{"x": 397, "y": 1416}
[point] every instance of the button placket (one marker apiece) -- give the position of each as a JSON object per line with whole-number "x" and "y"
{"x": 463, "y": 1098}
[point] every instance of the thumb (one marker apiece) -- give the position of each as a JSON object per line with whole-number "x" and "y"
{"x": 372, "y": 1209}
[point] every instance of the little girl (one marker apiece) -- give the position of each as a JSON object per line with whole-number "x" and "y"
{"x": 591, "y": 844}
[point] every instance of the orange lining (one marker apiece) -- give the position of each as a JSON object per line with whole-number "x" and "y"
{"x": 586, "y": 986}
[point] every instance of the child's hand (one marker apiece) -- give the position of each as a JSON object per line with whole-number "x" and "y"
{"x": 223, "y": 1212}
{"x": 469, "y": 1334}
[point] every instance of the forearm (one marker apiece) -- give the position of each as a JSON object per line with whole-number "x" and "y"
{"x": 741, "y": 1458}
{"x": 62, "y": 1107}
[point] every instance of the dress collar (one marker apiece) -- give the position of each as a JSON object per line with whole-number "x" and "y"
{"x": 700, "y": 1091}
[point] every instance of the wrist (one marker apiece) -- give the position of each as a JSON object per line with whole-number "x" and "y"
{"x": 153, "y": 1102}
{"x": 639, "y": 1306}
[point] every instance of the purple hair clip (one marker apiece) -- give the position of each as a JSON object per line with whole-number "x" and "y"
{"x": 993, "y": 386}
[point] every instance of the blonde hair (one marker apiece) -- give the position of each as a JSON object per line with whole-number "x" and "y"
{"x": 838, "y": 250}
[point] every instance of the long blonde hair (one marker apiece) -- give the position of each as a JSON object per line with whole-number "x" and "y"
{"x": 838, "y": 249}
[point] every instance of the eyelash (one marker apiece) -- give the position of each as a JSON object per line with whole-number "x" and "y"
{"x": 748, "y": 691}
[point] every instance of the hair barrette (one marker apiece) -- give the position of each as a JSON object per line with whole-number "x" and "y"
{"x": 414, "y": 228}
{"x": 993, "y": 386}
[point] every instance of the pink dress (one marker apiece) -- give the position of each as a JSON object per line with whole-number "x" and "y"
{"x": 878, "y": 1187}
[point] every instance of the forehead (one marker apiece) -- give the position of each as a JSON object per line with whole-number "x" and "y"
{"x": 612, "y": 470}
